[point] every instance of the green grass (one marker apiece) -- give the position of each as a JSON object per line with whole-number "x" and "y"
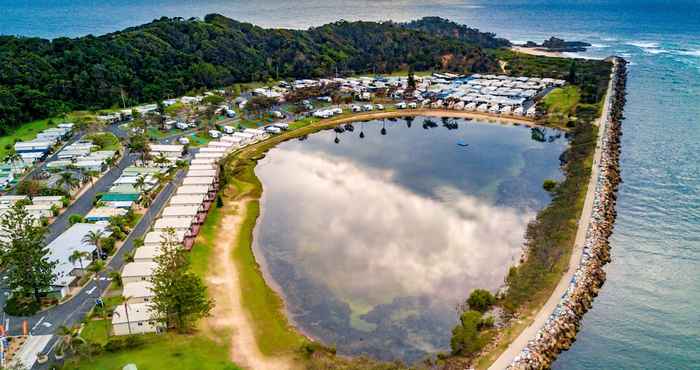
{"x": 169, "y": 351}
{"x": 203, "y": 247}
{"x": 563, "y": 100}
{"x": 96, "y": 331}
{"x": 25, "y": 132}
{"x": 105, "y": 140}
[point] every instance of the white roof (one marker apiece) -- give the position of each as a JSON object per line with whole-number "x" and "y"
{"x": 213, "y": 149}
{"x": 138, "y": 312}
{"x": 138, "y": 289}
{"x": 224, "y": 144}
{"x": 202, "y": 167}
{"x": 133, "y": 269}
{"x": 203, "y": 161}
{"x": 106, "y": 212}
{"x": 192, "y": 189}
{"x": 47, "y": 199}
{"x": 166, "y": 148}
{"x": 187, "y": 200}
{"x": 209, "y": 155}
{"x": 180, "y": 211}
{"x": 65, "y": 244}
{"x": 177, "y": 223}
{"x": 149, "y": 251}
{"x": 156, "y": 237}
{"x": 201, "y": 173}
{"x": 197, "y": 181}
{"x": 12, "y": 199}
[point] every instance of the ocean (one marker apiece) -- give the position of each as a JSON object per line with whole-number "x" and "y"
{"x": 646, "y": 316}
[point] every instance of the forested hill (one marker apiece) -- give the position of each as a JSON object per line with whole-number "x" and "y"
{"x": 169, "y": 57}
{"x": 443, "y": 27}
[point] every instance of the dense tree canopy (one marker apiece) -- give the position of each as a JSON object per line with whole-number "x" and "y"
{"x": 170, "y": 57}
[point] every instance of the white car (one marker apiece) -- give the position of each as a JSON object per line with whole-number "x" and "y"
{"x": 214, "y": 134}
{"x": 183, "y": 140}
{"x": 380, "y": 107}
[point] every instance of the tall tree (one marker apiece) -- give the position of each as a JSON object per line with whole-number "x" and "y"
{"x": 95, "y": 237}
{"x": 180, "y": 297}
{"x": 24, "y": 255}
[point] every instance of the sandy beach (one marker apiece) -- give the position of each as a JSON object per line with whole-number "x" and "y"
{"x": 537, "y": 51}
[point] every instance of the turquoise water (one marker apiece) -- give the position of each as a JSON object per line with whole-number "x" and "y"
{"x": 646, "y": 316}
{"x": 374, "y": 239}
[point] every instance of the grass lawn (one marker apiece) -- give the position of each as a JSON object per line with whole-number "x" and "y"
{"x": 200, "y": 138}
{"x": 96, "y": 331}
{"x": 201, "y": 252}
{"x": 563, "y": 100}
{"x": 25, "y": 132}
{"x": 168, "y": 351}
{"x": 105, "y": 140}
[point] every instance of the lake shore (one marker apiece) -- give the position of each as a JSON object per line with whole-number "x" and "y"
{"x": 243, "y": 207}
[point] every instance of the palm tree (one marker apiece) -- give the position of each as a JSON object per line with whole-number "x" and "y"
{"x": 126, "y": 310}
{"x": 78, "y": 256}
{"x": 140, "y": 183}
{"x": 161, "y": 160}
{"x": 66, "y": 179}
{"x": 95, "y": 237}
{"x": 12, "y": 157}
{"x": 116, "y": 277}
{"x": 69, "y": 338}
{"x": 161, "y": 177}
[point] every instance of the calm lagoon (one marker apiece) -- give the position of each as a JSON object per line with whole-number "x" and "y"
{"x": 373, "y": 241}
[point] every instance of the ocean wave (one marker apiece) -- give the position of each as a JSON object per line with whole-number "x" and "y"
{"x": 599, "y": 46}
{"x": 655, "y": 51}
{"x": 690, "y": 53}
{"x": 644, "y": 44}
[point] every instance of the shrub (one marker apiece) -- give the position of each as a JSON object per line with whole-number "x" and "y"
{"x": 486, "y": 323}
{"x": 549, "y": 184}
{"x": 21, "y": 306}
{"x": 74, "y": 219}
{"x": 108, "y": 245}
{"x": 480, "y": 300}
{"x": 465, "y": 339}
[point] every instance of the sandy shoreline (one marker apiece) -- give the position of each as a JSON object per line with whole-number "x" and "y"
{"x": 538, "y": 51}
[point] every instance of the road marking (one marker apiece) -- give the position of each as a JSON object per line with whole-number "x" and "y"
{"x": 37, "y": 323}
{"x": 91, "y": 290}
{"x": 47, "y": 324}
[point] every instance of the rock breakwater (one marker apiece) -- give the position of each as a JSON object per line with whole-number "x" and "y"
{"x": 559, "y": 332}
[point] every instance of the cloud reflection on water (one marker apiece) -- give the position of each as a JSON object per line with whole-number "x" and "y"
{"x": 370, "y": 240}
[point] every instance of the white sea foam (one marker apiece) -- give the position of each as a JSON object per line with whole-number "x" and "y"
{"x": 690, "y": 53}
{"x": 644, "y": 44}
{"x": 655, "y": 51}
{"x": 600, "y": 46}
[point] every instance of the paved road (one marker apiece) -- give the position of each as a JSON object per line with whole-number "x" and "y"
{"x": 529, "y": 333}
{"x": 72, "y": 312}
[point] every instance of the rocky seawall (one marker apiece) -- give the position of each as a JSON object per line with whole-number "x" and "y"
{"x": 559, "y": 332}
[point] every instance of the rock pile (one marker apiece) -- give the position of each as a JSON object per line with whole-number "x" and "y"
{"x": 559, "y": 332}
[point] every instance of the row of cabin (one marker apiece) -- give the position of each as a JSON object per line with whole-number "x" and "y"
{"x": 83, "y": 156}
{"x": 39, "y": 147}
{"x": 185, "y": 213}
{"x": 38, "y": 207}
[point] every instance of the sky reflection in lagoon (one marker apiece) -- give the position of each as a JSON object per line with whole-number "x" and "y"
{"x": 374, "y": 241}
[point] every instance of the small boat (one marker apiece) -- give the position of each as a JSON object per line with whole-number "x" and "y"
{"x": 339, "y": 129}
{"x": 462, "y": 143}
{"x": 349, "y": 127}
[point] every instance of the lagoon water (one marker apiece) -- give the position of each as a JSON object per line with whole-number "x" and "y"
{"x": 646, "y": 315}
{"x": 374, "y": 241}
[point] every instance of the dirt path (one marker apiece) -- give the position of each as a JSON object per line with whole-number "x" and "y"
{"x": 515, "y": 347}
{"x": 224, "y": 286}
